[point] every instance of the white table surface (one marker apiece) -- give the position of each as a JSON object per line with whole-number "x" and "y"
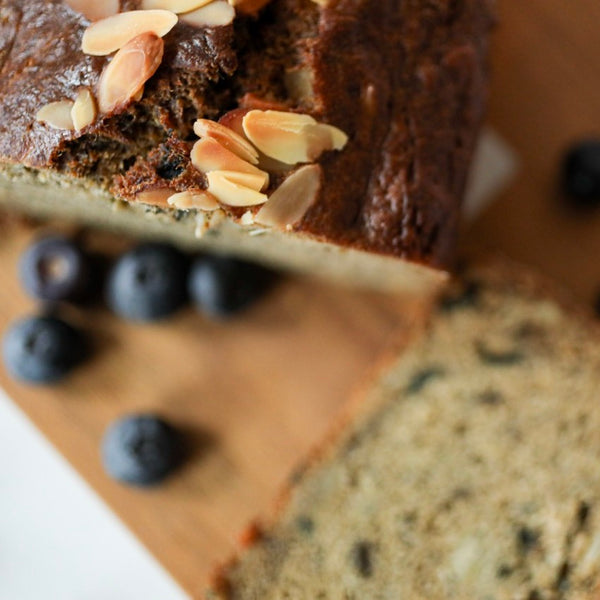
{"x": 59, "y": 541}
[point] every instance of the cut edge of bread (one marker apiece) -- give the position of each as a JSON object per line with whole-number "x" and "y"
{"x": 45, "y": 194}
{"x": 499, "y": 273}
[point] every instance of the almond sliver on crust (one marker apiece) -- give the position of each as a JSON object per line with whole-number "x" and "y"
{"x": 208, "y": 155}
{"x": 95, "y": 10}
{"x": 235, "y": 189}
{"x": 176, "y": 6}
{"x": 84, "y": 110}
{"x": 128, "y": 71}
{"x": 292, "y": 199}
{"x": 215, "y": 14}
{"x": 57, "y": 115}
{"x": 193, "y": 199}
{"x": 204, "y": 128}
{"x": 110, "y": 34}
{"x": 290, "y": 138}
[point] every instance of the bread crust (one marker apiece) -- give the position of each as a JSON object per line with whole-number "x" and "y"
{"x": 406, "y": 80}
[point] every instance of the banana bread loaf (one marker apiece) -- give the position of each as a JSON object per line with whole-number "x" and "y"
{"x": 344, "y": 135}
{"x": 470, "y": 470}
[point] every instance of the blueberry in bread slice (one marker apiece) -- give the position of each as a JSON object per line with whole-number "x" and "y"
{"x": 330, "y": 136}
{"x": 469, "y": 470}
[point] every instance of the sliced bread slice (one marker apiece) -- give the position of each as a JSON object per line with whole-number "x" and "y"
{"x": 469, "y": 471}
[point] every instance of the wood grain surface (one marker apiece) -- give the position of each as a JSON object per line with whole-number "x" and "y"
{"x": 545, "y": 95}
{"x": 255, "y": 393}
{"x": 252, "y": 395}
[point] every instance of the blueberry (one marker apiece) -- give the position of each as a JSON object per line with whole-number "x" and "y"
{"x": 42, "y": 349}
{"x": 581, "y": 174}
{"x": 220, "y": 286}
{"x": 141, "y": 450}
{"x": 148, "y": 283}
{"x": 54, "y": 268}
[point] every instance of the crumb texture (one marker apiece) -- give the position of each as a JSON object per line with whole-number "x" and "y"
{"x": 471, "y": 472}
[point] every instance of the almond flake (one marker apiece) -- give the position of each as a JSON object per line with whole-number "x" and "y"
{"x": 128, "y": 71}
{"x": 84, "y": 110}
{"x": 176, "y": 6}
{"x": 234, "y": 121}
{"x": 338, "y": 138}
{"x": 247, "y": 219}
{"x": 193, "y": 199}
{"x": 249, "y": 180}
{"x": 248, "y": 7}
{"x": 208, "y": 155}
{"x": 56, "y": 115}
{"x": 215, "y": 14}
{"x": 290, "y": 137}
{"x": 94, "y": 10}
{"x": 292, "y": 199}
{"x": 234, "y": 189}
{"x": 235, "y": 143}
{"x": 108, "y": 35}
{"x": 158, "y": 197}
{"x": 137, "y": 97}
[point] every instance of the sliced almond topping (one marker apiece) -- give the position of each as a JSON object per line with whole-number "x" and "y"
{"x": 108, "y": 35}
{"x": 248, "y": 7}
{"x": 94, "y": 10}
{"x": 249, "y": 180}
{"x": 234, "y": 121}
{"x": 137, "y": 97}
{"x": 290, "y": 201}
{"x": 235, "y": 143}
{"x": 158, "y": 197}
{"x": 234, "y": 189}
{"x": 84, "y": 110}
{"x": 338, "y": 138}
{"x": 176, "y": 6}
{"x": 290, "y": 137}
{"x": 247, "y": 219}
{"x": 193, "y": 199}
{"x": 57, "y": 115}
{"x": 208, "y": 155}
{"x": 215, "y": 14}
{"x": 128, "y": 71}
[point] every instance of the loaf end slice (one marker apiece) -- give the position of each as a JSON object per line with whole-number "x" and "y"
{"x": 470, "y": 470}
{"x": 395, "y": 90}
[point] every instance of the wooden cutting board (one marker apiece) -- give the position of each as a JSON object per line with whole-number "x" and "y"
{"x": 256, "y": 393}
{"x": 252, "y": 395}
{"x": 545, "y": 94}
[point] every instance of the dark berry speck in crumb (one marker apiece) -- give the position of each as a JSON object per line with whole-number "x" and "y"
{"x": 220, "y": 286}
{"x": 54, "y": 268}
{"x": 581, "y": 174}
{"x": 141, "y": 450}
{"x": 148, "y": 283}
{"x": 42, "y": 349}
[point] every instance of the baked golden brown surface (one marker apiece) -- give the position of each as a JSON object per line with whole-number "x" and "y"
{"x": 404, "y": 80}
